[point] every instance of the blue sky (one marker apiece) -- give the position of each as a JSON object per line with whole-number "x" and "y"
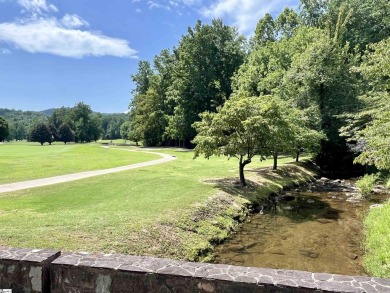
{"x": 56, "y": 53}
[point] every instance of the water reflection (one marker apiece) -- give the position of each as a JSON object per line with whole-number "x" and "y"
{"x": 317, "y": 229}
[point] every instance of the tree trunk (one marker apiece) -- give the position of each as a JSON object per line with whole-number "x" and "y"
{"x": 297, "y": 157}
{"x": 242, "y": 165}
{"x": 242, "y": 177}
{"x": 275, "y": 155}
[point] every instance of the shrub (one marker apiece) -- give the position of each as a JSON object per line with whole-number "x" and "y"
{"x": 366, "y": 184}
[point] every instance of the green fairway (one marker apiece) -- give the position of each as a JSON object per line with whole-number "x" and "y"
{"x": 106, "y": 213}
{"x": 26, "y": 161}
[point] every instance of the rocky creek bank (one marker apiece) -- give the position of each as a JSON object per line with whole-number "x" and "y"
{"x": 315, "y": 227}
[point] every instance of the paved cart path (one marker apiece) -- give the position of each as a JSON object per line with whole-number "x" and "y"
{"x": 9, "y": 187}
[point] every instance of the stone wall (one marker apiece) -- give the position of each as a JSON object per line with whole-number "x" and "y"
{"x": 43, "y": 270}
{"x": 26, "y": 270}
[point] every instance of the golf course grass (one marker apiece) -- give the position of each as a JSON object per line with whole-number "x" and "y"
{"x": 376, "y": 242}
{"x": 143, "y": 211}
{"x": 26, "y": 161}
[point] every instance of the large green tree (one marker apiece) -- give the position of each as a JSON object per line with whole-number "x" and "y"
{"x": 142, "y": 78}
{"x": 65, "y": 133}
{"x": 281, "y": 131}
{"x": 287, "y": 23}
{"x": 60, "y": 116}
{"x": 265, "y": 30}
{"x": 17, "y": 130}
{"x": 264, "y": 70}
{"x": 320, "y": 81}
{"x": 245, "y": 127}
{"x": 313, "y": 12}
{"x": 40, "y": 132}
{"x": 207, "y": 57}
{"x": 86, "y": 124}
{"x": 126, "y": 129}
{"x": 369, "y": 20}
{"x": 148, "y": 119}
{"x": 368, "y": 130}
{"x": 310, "y": 70}
{"x": 111, "y": 124}
{"x": 150, "y": 107}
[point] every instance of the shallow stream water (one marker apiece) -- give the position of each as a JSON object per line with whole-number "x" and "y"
{"x": 318, "y": 229}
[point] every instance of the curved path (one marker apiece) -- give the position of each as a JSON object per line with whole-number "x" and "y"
{"x": 77, "y": 176}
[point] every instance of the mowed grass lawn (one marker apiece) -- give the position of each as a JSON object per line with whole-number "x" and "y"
{"x": 26, "y": 161}
{"x": 106, "y": 213}
{"x": 376, "y": 242}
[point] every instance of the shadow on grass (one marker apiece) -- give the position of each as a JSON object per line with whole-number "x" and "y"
{"x": 265, "y": 182}
{"x": 233, "y": 186}
{"x": 289, "y": 175}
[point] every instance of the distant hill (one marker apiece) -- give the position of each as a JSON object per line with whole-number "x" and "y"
{"x": 48, "y": 112}
{"x": 17, "y": 115}
{"x": 19, "y": 121}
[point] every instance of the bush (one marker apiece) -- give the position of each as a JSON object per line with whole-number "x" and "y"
{"x": 366, "y": 184}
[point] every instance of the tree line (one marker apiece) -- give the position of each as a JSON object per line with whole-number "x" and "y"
{"x": 313, "y": 79}
{"x": 79, "y": 124}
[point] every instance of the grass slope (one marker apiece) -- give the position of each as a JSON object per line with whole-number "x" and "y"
{"x": 164, "y": 210}
{"x": 26, "y": 161}
{"x": 377, "y": 239}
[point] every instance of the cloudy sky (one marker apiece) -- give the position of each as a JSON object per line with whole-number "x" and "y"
{"x": 56, "y": 53}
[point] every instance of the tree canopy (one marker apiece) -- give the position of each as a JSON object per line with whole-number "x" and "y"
{"x": 248, "y": 126}
{"x": 65, "y": 133}
{"x": 369, "y": 128}
{"x": 196, "y": 77}
{"x": 324, "y": 65}
{"x": 40, "y": 132}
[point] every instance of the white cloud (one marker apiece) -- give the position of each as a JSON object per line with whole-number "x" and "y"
{"x": 244, "y": 13}
{"x": 48, "y": 35}
{"x": 42, "y": 33}
{"x": 73, "y": 21}
{"x": 152, "y": 5}
{"x": 191, "y": 2}
{"x": 185, "y": 2}
{"x": 37, "y": 6}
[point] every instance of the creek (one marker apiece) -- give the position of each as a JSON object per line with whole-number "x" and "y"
{"x": 315, "y": 228}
